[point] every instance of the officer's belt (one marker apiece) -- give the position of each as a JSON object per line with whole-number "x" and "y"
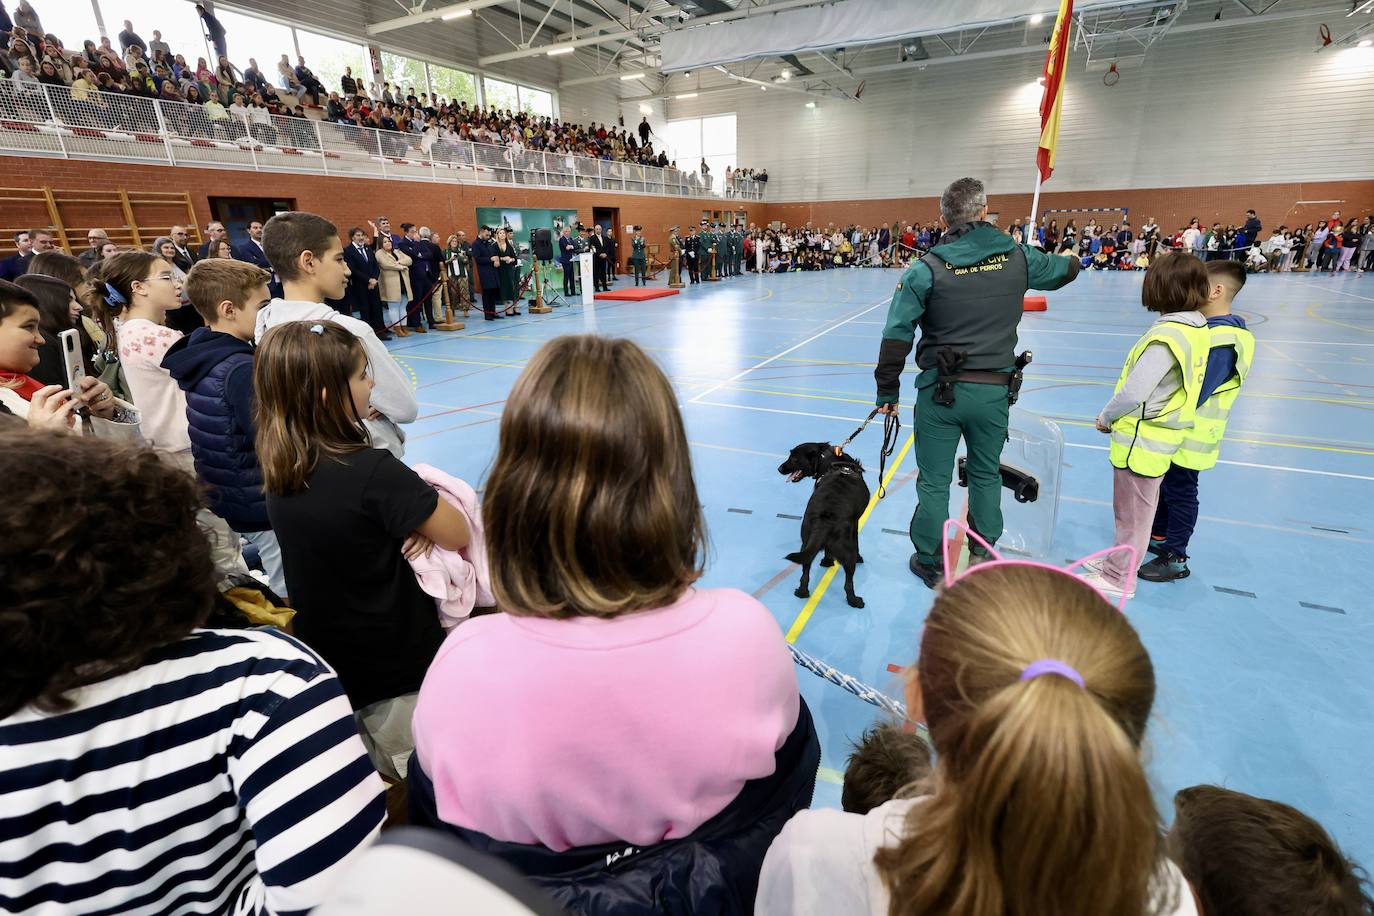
{"x": 979, "y": 377}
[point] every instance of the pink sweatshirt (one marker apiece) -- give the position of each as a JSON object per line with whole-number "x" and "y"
{"x": 586, "y": 731}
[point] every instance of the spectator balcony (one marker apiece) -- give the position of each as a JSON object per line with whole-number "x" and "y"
{"x": 47, "y": 120}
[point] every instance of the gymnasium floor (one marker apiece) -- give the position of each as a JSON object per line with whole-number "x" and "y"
{"x": 1262, "y": 656}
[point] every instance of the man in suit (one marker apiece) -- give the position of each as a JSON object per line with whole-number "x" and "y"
{"x": 186, "y": 256}
{"x": 599, "y": 259}
{"x": 362, "y": 294}
{"x": 16, "y": 265}
{"x": 433, "y": 256}
{"x": 216, "y": 233}
{"x": 421, "y": 279}
{"x": 252, "y": 252}
{"x": 567, "y": 259}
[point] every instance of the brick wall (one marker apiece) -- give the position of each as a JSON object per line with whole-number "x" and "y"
{"x": 1276, "y": 204}
{"x": 346, "y": 201}
{"x": 448, "y": 207}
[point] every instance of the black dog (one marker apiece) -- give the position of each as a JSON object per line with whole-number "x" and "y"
{"x": 831, "y": 523}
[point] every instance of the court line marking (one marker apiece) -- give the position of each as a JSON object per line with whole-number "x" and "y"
{"x": 1099, "y": 448}
{"x": 1277, "y": 340}
{"x": 1341, "y": 292}
{"x": 1263, "y": 526}
{"x": 794, "y": 631}
{"x": 772, "y": 359}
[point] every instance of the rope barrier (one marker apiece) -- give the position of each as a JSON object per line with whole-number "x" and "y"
{"x": 858, "y": 688}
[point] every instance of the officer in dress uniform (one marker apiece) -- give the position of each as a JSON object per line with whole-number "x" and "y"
{"x": 966, "y": 295}
{"x": 567, "y": 259}
{"x": 709, "y": 250}
{"x": 639, "y": 262}
{"x": 674, "y": 259}
{"x": 727, "y": 251}
{"x": 691, "y": 249}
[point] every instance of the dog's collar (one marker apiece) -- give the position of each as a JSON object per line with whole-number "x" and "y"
{"x": 844, "y": 468}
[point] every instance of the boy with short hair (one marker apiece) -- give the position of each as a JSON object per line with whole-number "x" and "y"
{"x": 1228, "y": 364}
{"x": 306, "y": 253}
{"x": 214, "y": 367}
{"x": 885, "y": 759}
{"x": 1247, "y": 856}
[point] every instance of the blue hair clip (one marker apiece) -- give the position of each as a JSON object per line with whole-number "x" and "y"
{"x": 317, "y": 329}
{"x": 113, "y": 297}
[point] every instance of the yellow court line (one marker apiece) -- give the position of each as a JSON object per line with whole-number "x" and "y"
{"x": 1313, "y": 313}
{"x": 818, "y": 592}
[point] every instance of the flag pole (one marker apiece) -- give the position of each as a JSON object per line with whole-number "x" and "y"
{"x": 1033, "y": 228}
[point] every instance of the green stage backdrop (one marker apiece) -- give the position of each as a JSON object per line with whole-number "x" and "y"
{"x": 521, "y": 221}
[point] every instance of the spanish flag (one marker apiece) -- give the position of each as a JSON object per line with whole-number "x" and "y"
{"x": 1053, "y": 101}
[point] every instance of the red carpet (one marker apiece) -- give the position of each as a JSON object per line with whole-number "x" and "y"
{"x": 635, "y": 294}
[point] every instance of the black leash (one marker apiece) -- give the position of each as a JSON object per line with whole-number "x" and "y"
{"x": 892, "y": 427}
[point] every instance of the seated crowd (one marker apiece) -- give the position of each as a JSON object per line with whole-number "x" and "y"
{"x": 538, "y": 674}
{"x": 229, "y": 103}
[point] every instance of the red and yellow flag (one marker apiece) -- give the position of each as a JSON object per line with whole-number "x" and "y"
{"x": 1053, "y": 100}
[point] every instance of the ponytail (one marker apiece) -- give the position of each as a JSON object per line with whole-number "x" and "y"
{"x": 1039, "y": 803}
{"x": 111, "y": 287}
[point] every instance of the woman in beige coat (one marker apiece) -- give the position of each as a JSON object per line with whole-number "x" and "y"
{"x": 395, "y": 282}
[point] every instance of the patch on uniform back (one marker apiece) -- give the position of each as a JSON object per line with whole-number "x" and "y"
{"x": 995, "y": 262}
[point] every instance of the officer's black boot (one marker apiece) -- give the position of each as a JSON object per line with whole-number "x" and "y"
{"x": 930, "y": 575}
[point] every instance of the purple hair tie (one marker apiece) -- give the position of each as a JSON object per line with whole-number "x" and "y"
{"x": 1043, "y": 666}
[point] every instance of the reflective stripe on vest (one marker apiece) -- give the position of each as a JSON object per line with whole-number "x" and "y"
{"x": 1202, "y": 445}
{"x": 1147, "y": 445}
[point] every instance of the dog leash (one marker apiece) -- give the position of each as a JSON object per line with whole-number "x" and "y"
{"x": 892, "y": 427}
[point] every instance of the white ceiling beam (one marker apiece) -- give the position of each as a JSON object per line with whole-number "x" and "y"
{"x": 435, "y": 15}
{"x": 744, "y": 13}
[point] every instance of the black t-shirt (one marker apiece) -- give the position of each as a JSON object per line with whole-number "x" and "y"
{"x": 356, "y": 597}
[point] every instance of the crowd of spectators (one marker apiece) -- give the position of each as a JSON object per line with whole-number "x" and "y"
{"x": 181, "y": 736}
{"x": 218, "y": 99}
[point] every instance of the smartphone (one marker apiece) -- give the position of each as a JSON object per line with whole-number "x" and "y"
{"x": 70, "y": 342}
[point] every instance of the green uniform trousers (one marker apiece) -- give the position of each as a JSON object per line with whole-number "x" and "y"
{"x": 979, "y": 415}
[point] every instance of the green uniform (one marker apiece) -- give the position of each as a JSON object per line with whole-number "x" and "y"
{"x": 709, "y": 251}
{"x": 638, "y": 260}
{"x": 966, "y": 295}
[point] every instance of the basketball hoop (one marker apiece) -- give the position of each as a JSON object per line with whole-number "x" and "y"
{"x": 1111, "y": 77}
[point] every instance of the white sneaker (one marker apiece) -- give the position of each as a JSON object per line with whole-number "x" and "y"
{"x": 1098, "y": 580}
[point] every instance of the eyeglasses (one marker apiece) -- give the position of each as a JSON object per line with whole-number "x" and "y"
{"x": 166, "y": 276}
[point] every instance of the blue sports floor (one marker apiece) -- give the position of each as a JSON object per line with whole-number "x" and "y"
{"x": 1263, "y": 656}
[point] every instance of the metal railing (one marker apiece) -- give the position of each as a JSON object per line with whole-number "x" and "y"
{"x": 47, "y": 120}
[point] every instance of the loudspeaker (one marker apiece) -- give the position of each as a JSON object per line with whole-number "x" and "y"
{"x": 542, "y": 242}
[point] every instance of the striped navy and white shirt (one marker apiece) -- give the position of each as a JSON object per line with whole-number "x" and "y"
{"x": 224, "y": 775}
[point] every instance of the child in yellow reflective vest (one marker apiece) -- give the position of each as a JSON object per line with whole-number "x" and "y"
{"x": 1228, "y": 365}
{"x": 1153, "y": 408}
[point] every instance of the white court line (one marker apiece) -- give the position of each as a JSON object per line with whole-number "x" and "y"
{"x": 1341, "y": 292}
{"x": 742, "y": 451}
{"x": 1096, "y": 448}
{"x": 1272, "y": 340}
{"x": 1329, "y": 535}
{"x": 739, "y": 375}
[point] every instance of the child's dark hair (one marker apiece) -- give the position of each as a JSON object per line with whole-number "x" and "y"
{"x": 54, "y": 302}
{"x": 58, "y": 264}
{"x": 295, "y": 362}
{"x": 112, "y": 281}
{"x": 1231, "y": 273}
{"x": 1175, "y": 282}
{"x": 885, "y": 759}
{"x": 12, "y": 298}
{"x": 1248, "y": 856}
{"x": 288, "y": 234}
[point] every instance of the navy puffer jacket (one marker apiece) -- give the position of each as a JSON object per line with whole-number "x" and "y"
{"x": 713, "y": 870}
{"x": 216, "y": 372}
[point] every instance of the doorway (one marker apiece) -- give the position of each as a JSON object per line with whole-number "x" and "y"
{"x": 237, "y": 212}
{"x": 608, "y": 218}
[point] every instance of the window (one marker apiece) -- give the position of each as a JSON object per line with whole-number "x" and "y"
{"x": 263, "y": 41}
{"x": 455, "y": 85}
{"x": 178, "y": 23}
{"x": 404, "y": 74}
{"x": 503, "y": 95}
{"x": 713, "y": 139}
{"x": 72, "y": 23}
{"x": 327, "y": 57}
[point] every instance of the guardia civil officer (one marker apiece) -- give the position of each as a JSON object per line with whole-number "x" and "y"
{"x": 966, "y": 295}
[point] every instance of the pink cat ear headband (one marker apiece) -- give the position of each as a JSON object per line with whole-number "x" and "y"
{"x": 954, "y": 527}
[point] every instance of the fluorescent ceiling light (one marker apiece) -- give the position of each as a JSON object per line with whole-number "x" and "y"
{"x": 686, "y": 95}
{"x": 1037, "y": 19}
{"x": 717, "y": 22}
{"x": 447, "y": 17}
{"x": 1364, "y": 44}
{"x": 810, "y": 104}
{"x": 763, "y": 88}
{"x": 557, "y": 51}
{"x": 632, "y": 76}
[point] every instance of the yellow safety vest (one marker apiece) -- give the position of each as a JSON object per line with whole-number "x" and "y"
{"x": 1147, "y": 445}
{"x": 1202, "y": 444}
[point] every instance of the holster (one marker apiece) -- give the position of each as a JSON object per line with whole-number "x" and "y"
{"x": 1017, "y": 377}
